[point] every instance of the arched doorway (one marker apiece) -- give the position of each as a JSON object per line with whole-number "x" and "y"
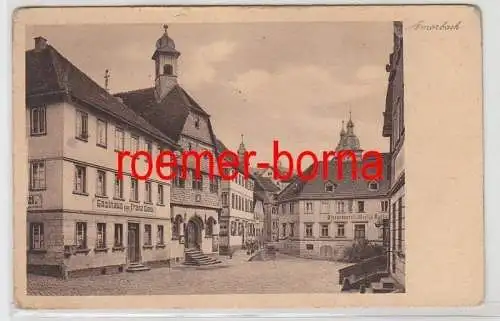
{"x": 193, "y": 233}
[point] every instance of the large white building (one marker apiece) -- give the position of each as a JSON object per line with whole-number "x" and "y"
{"x": 195, "y": 202}
{"x": 81, "y": 218}
{"x": 322, "y": 217}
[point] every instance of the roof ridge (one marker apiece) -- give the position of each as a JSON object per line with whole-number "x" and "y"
{"x": 133, "y": 91}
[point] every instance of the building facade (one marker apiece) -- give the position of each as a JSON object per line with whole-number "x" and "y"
{"x": 238, "y": 223}
{"x": 321, "y": 218}
{"x": 82, "y": 217}
{"x": 394, "y": 128}
{"x": 266, "y": 190}
{"x": 195, "y": 202}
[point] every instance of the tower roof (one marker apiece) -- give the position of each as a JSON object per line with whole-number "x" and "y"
{"x": 241, "y": 149}
{"x": 165, "y": 45}
{"x": 348, "y": 140}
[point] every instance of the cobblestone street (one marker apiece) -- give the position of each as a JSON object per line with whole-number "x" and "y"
{"x": 283, "y": 275}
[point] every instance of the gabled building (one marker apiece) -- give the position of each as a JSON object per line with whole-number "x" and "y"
{"x": 82, "y": 218}
{"x": 238, "y": 224}
{"x": 394, "y": 128}
{"x": 195, "y": 201}
{"x": 322, "y": 217}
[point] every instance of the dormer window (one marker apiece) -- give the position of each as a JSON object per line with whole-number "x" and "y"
{"x": 197, "y": 123}
{"x": 329, "y": 187}
{"x": 168, "y": 70}
{"x": 373, "y": 186}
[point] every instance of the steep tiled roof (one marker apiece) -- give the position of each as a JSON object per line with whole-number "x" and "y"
{"x": 49, "y": 72}
{"x": 267, "y": 184}
{"x": 344, "y": 188}
{"x": 168, "y": 115}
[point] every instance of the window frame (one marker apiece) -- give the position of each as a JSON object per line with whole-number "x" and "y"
{"x": 148, "y": 192}
{"x": 118, "y": 232}
{"x": 134, "y": 192}
{"x": 41, "y": 121}
{"x": 121, "y": 142}
{"x": 120, "y": 181}
{"x": 84, "y": 180}
{"x": 100, "y": 244}
{"x": 43, "y": 184}
{"x": 40, "y": 244}
{"x": 84, "y": 246}
{"x": 98, "y": 142}
{"x": 104, "y": 193}
{"x": 82, "y": 133}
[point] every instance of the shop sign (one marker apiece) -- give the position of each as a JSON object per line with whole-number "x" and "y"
{"x": 122, "y": 207}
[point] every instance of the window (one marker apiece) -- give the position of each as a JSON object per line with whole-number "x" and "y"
{"x": 81, "y": 235}
{"x": 329, "y": 187}
{"x": 82, "y": 128}
{"x": 340, "y": 230}
{"x": 101, "y": 236}
{"x": 290, "y": 205}
{"x": 361, "y": 206}
{"x": 309, "y": 207}
{"x": 134, "y": 144}
{"x": 359, "y": 231}
{"x": 159, "y": 235}
{"x": 401, "y": 226}
{"x": 36, "y": 236}
{"x": 119, "y": 139}
{"x": 283, "y": 229}
{"x": 80, "y": 179}
{"x": 179, "y": 181}
{"x": 101, "y": 183}
{"x": 168, "y": 70}
{"x": 214, "y": 185}
{"x": 102, "y": 133}
{"x": 149, "y": 148}
{"x": 325, "y": 207}
{"x": 38, "y": 121}
{"x": 176, "y": 227}
{"x": 292, "y": 229}
{"x": 37, "y": 175}
{"x": 324, "y": 230}
{"x": 340, "y": 207}
{"x": 197, "y": 181}
{"x": 160, "y": 194}
{"x": 118, "y": 187}
{"x": 373, "y": 186}
{"x": 197, "y": 123}
{"x": 309, "y": 247}
{"x": 233, "y": 201}
{"x": 147, "y": 235}
{"x": 148, "y": 197}
{"x": 309, "y": 230}
{"x": 224, "y": 198}
{"x": 349, "y": 205}
{"x": 118, "y": 235}
{"x": 384, "y": 206}
{"x": 134, "y": 190}
{"x": 209, "y": 230}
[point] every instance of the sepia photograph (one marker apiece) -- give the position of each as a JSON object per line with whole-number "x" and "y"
{"x": 220, "y": 158}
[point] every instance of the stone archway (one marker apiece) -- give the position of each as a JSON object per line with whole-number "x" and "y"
{"x": 194, "y": 227}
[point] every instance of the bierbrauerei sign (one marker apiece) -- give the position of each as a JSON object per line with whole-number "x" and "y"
{"x": 122, "y": 207}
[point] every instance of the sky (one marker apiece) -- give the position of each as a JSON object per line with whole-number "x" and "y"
{"x": 294, "y": 82}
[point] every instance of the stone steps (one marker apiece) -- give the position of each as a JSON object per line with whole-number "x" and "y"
{"x": 137, "y": 267}
{"x": 198, "y": 258}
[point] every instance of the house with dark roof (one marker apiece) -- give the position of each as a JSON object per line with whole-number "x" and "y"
{"x": 323, "y": 216}
{"x": 195, "y": 202}
{"x": 82, "y": 218}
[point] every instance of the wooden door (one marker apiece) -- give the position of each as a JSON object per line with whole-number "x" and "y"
{"x": 133, "y": 243}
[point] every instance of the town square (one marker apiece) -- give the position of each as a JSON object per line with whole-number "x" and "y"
{"x": 101, "y": 221}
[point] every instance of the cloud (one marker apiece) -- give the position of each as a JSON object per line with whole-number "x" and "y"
{"x": 199, "y": 67}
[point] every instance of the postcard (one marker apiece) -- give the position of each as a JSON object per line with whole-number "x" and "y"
{"x": 248, "y": 157}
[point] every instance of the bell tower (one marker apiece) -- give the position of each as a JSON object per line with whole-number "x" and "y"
{"x": 165, "y": 57}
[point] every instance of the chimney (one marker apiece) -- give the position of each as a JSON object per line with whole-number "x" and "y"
{"x": 40, "y": 43}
